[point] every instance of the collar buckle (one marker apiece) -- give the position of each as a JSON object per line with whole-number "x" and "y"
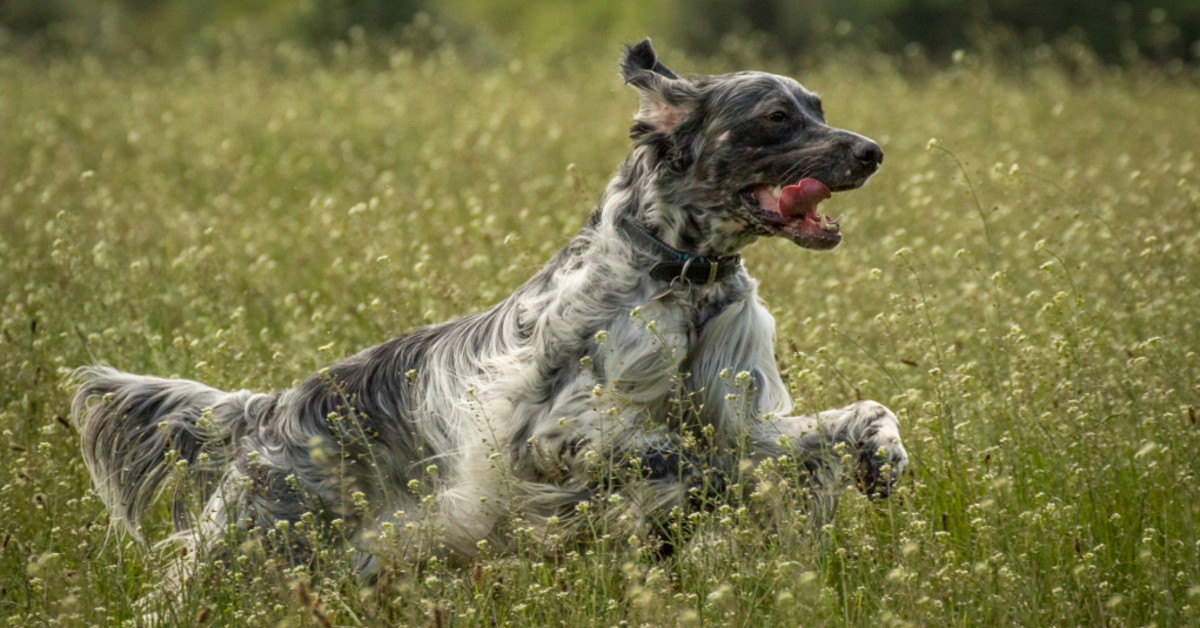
{"x": 674, "y": 265}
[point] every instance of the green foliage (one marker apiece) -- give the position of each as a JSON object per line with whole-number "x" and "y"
{"x": 1021, "y": 291}
{"x": 1117, "y": 32}
{"x": 30, "y": 16}
{"x": 330, "y": 20}
{"x": 1114, "y": 31}
{"x": 550, "y": 27}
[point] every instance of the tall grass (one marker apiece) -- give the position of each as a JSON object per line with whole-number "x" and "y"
{"x": 1022, "y": 290}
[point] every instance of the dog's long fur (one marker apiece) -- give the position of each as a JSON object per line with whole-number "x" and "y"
{"x": 551, "y": 398}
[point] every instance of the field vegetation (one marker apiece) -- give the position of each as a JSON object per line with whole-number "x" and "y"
{"x": 1020, "y": 284}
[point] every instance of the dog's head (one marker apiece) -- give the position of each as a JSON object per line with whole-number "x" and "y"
{"x": 737, "y": 156}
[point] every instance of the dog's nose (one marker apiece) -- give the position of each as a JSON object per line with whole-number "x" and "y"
{"x": 869, "y": 153}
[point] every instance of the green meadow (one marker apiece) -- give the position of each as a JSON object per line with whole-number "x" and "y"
{"x": 1020, "y": 283}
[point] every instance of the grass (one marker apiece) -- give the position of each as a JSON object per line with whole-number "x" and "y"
{"x": 1022, "y": 291}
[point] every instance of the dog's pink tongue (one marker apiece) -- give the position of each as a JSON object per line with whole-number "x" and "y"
{"x": 803, "y": 197}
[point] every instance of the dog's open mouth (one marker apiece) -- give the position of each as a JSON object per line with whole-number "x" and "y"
{"x": 791, "y": 211}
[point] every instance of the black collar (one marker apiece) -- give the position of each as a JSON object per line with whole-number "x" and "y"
{"x": 670, "y": 263}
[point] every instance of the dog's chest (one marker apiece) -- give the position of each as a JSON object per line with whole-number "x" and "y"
{"x": 646, "y": 354}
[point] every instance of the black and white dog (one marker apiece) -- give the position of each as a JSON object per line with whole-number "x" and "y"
{"x": 628, "y": 379}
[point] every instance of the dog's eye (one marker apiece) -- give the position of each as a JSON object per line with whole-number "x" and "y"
{"x": 779, "y": 116}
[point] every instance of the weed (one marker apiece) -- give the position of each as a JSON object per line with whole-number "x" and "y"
{"x": 247, "y": 219}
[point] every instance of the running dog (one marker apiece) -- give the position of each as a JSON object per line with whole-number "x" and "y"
{"x": 638, "y": 363}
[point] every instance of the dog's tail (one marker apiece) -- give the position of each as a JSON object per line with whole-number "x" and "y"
{"x": 131, "y": 424}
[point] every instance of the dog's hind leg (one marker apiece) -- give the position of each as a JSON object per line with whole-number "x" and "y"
{"x": 666, "y": 481}
{"x": 631, "y": 483}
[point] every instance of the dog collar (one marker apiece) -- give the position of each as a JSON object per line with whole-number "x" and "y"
{"x": 674, "y": 264}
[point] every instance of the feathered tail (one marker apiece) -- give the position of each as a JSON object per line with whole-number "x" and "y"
{"x": 129, "y": 424}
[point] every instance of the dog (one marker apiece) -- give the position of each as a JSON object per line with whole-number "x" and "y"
{"x": 628, "y": 380}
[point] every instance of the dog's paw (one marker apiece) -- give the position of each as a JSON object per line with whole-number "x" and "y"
{"x": 880, "y": 467}
{"x": 874, "y": 432}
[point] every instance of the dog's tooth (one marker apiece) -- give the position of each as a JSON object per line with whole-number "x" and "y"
{"x": 777, "y": 191}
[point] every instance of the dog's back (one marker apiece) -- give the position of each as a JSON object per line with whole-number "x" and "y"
{"x": 355, "y": 433}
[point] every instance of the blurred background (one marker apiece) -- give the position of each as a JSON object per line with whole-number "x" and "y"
{"x": 1159, "y": 32}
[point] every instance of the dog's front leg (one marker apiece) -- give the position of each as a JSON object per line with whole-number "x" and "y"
{"x": 865, "y": 431}
{"x": 738, "y": 384}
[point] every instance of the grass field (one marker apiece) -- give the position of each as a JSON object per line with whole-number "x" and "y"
{"x": 1023, "y": 291}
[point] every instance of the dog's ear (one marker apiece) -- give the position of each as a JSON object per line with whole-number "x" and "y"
{"x": 665, "y": 100}
{"x": 641, "y": 56}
